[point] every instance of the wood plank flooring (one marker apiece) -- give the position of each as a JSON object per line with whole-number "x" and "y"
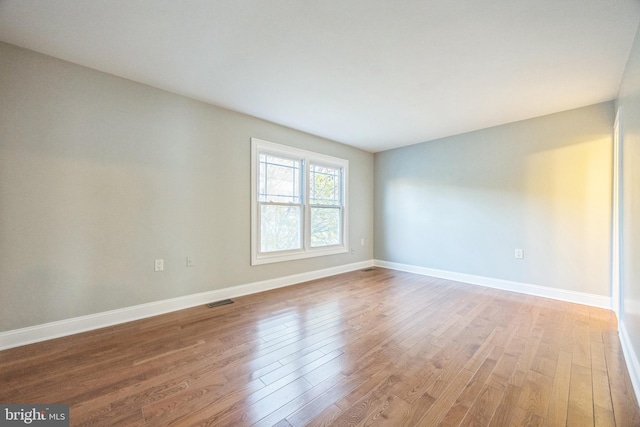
{"x": 364, "y": 348}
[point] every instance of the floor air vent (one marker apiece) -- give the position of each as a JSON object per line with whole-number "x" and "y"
{"x": 369, "y": 269}
{"x": 219, "y": 303}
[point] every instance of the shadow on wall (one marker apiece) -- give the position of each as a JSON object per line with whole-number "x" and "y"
{"x": 464, "y": 204}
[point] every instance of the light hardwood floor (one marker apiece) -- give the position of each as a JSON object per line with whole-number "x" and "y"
{"x": 363, "y": 348}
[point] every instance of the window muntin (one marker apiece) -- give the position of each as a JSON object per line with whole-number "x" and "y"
{"x": 280, "y": 179}
{"x": 280, "y": 197}
{"x": 299, "y": 207}
{"x": 325, "y": 187}
{"x": 325, "y": 199}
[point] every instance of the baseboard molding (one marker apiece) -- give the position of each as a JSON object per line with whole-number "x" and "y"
{"x": 631, "y": 359}
{"x": 523, "y": 288}
{"x": 47, "y": 331}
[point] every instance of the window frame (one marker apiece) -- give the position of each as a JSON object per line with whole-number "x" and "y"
{"x": 259, "y": 146}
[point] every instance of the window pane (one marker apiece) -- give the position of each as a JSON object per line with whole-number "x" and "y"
{"x": 325, "y": 186}
{"x": 325, "y": 226}
{"x": 280, "y": 228}
{"x": 279, "y": 179}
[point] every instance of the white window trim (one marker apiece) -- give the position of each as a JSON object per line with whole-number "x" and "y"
{"x": 257, "y": 258}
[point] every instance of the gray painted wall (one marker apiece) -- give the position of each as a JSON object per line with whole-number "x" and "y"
{"x": 629, "y": 100}
{"x": 99, "y": 176}
{"x": 466, "y": 202}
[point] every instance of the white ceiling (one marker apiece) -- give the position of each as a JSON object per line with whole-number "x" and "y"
{"x": 375, "y": 74}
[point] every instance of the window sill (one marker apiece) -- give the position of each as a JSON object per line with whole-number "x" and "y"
{"x": 291, "y": 256}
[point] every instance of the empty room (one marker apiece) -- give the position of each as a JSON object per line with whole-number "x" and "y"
{"x": 319, "y": 213}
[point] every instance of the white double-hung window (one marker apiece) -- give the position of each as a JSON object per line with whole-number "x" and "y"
{"x": 299, "y": 203}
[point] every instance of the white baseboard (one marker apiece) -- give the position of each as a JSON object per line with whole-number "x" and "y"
{"x": 47, "y": 331}
{"x": 32, "y": 334}
{"x": 523, "y": 288}
{"x": 631, "y": 359}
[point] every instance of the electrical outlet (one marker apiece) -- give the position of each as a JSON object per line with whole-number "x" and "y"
{"x": 519, "y": 253}
{"x": 190, "y": 262}
{"x": 362, "y": 242}
{"x": 159, "y": 265}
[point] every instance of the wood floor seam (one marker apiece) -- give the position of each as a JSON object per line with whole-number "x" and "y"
{"x": 382, "y": 347}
